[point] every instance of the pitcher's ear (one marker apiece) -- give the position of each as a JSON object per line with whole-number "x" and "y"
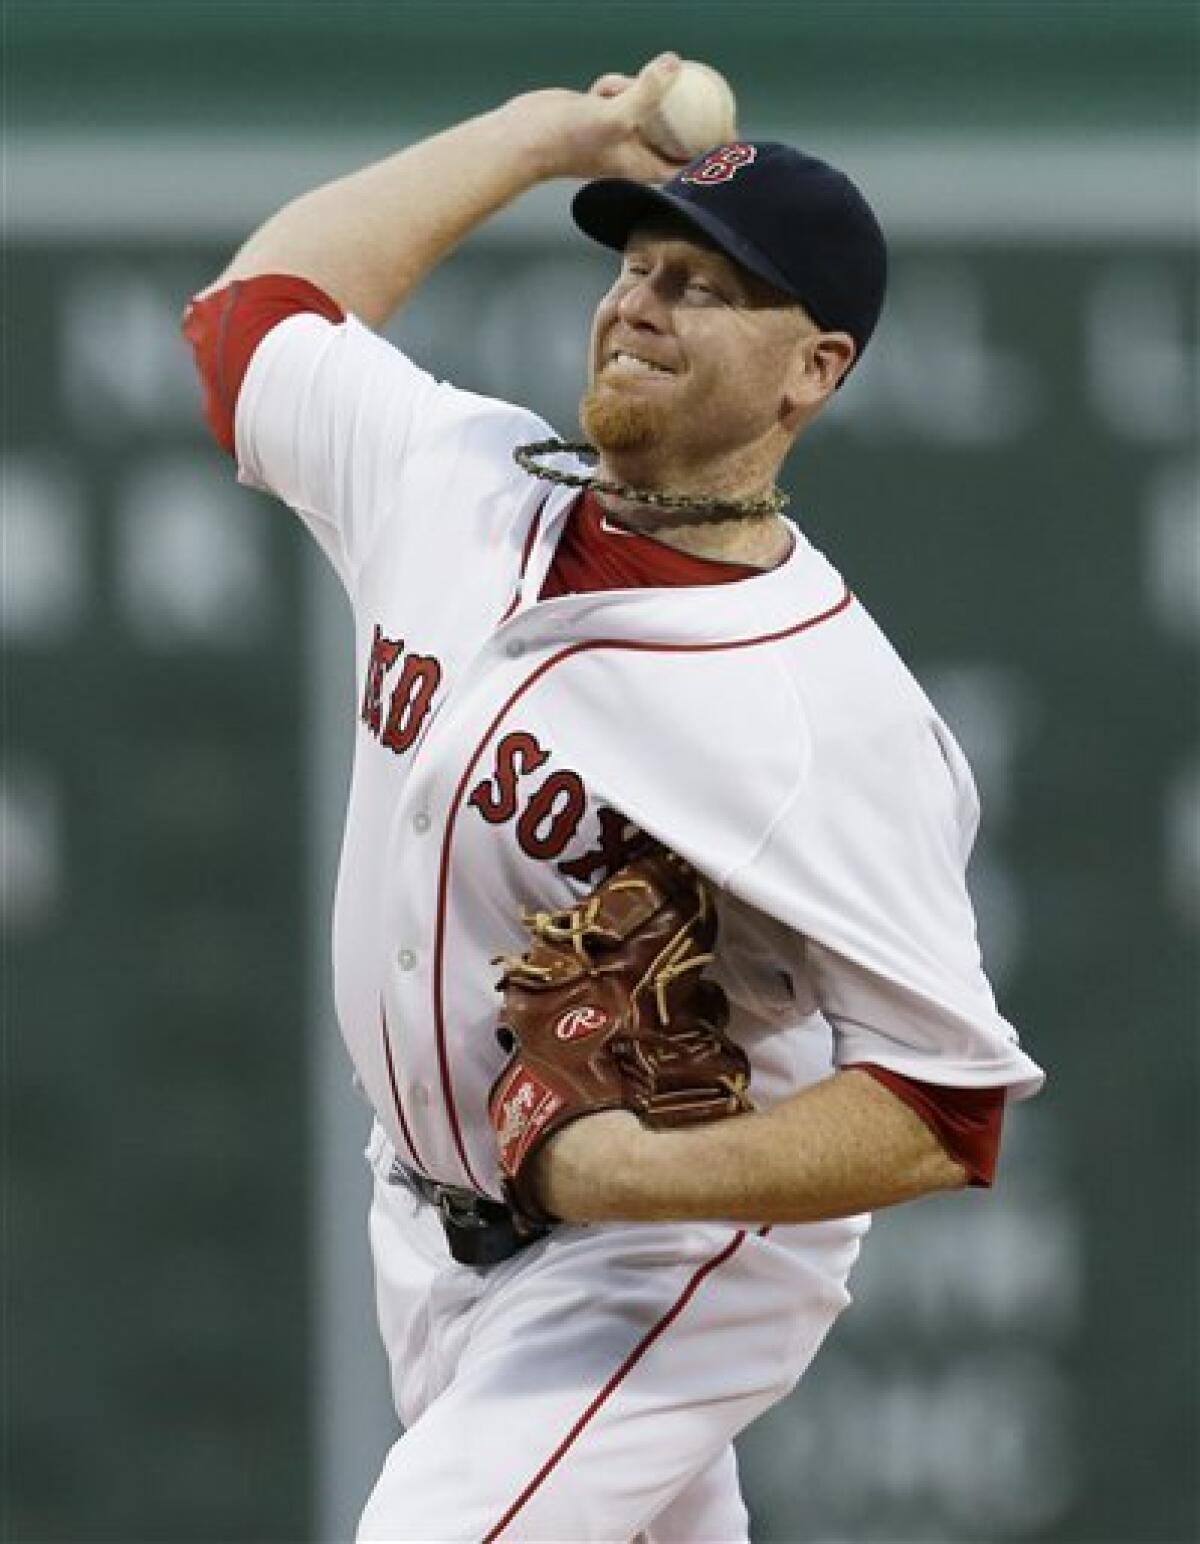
{"x": 819, "y": 368}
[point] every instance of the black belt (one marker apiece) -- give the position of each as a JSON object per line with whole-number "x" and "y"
{"x": 478, "y": 1230}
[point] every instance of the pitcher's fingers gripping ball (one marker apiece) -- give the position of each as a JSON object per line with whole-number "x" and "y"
{"x": 698, "y": 111}
{"x": 608, "y": 1009}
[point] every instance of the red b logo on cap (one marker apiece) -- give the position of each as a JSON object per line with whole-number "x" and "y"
{"x": 720, "y": 165}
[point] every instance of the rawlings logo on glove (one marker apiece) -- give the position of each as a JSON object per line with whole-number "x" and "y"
{"x": 608, "y": 1010}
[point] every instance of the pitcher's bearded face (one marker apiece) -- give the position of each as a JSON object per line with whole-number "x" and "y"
{"x": 689, "y": 356}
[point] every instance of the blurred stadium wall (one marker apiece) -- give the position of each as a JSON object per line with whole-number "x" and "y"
{"x": 1012, "y": 487}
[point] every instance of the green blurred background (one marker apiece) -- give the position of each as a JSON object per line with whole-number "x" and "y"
{"x": 1011, "y": 484}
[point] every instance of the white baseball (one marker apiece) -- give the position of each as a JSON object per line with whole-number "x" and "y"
{"x": 698, "y": 112}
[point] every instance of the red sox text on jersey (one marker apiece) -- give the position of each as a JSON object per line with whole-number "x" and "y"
{"x": 549, "y": 811}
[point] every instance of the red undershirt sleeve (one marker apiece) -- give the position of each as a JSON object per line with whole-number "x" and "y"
{"x": 966, "y": 1121}
{"x": 225, "y": 327}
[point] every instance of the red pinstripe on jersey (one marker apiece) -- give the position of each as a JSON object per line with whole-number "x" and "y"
{"x": 526, "y": 551}
{"x": 395, "y": 1087}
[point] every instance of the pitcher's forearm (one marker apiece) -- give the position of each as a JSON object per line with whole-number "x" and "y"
{"x": 369, "y": 238}
{"x": 844, "y": 1146}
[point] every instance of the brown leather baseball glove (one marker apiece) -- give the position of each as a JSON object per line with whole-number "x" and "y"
{"x": 608, "y": 1010}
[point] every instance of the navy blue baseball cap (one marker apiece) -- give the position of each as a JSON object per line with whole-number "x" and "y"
{"x": 793, "y": 220}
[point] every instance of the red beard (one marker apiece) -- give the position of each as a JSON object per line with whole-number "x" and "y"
{"x": 613, "y": 421}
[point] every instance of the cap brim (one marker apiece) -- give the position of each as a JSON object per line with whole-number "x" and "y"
{"x": 608, "y": 209}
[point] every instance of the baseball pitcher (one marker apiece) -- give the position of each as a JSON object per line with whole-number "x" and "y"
{"x": 653, "y": 950}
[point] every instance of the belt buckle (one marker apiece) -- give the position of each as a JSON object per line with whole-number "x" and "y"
{"x": 459, "y": 1208}
{"x": 479, "y": 1232}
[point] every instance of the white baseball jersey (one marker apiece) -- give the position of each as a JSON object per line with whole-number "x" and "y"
{"x": 765, "y": 730}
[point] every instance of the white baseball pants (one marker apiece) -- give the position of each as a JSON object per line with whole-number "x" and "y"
{"x": 590, "y": 1387}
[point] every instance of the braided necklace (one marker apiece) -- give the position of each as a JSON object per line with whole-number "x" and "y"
{"x": 530, "y": 458}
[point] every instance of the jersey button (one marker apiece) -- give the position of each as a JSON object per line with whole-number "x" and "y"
{"x": 421, "y": 822}
{"x": 421, "y": 1095}
{"x": 514, "y": 648}
{"x": 406, "y": 960}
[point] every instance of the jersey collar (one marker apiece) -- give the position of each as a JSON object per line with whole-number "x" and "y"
{"x": 803, "y": 585}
